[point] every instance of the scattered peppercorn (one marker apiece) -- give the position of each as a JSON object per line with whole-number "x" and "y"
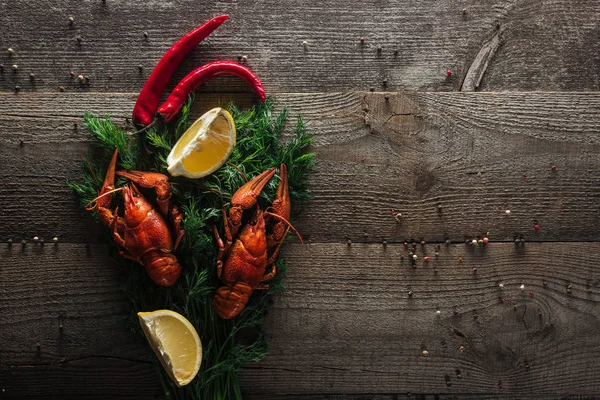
{"x": 536, "y": 227}
{"x": 485, "y": 240}
{"x": 72, "y": 73}
{"x": 17, "y": 88}
{"x": 449, "y": 72}
{"x": 10, "y": 51}
{"x": 460, "y": 259}
{"x": 32, "y": 76}
{"x": 474, "y": 269}
{"x": 78, "y": 38}
{"x": 15, "y": 67}
{"x": 426, "y": 258}
{"x": 80, "y": 78}
{"x": 244, "y": 58}
{"x": 55, "y": 239}
{"x": 71, "y": 20}
{"x": 554, "y": 168}
{"x": 61, "y": 88}
{"x": 146, "y": 35}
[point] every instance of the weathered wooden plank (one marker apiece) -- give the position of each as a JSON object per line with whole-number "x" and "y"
{"x": 65, "y": 300}
{"x": 548, "y": 45}
{"x": 89, "y": 378}
{"x": 346, "y": 323}
{"x": 450, "y": 163}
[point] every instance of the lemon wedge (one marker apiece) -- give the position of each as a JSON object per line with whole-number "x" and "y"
{"x": 205, "y": 146}
{"x": 175, "y": 342}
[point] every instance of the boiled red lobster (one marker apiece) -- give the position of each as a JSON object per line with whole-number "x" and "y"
{"x": 243, "y": 258}
{"x": 143, "y": 235}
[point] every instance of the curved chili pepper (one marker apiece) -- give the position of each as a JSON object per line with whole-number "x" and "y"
{"x": 147, "y": 102}
{"x": 201, "y": 75}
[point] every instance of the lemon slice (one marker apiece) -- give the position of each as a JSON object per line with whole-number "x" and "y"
{"x": 175, "y": 342}
{"x": 205, "y": 146}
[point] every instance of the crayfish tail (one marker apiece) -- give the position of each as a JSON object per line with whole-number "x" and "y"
{"x": 229, "y": 301}
{"x": 163, "y": 268}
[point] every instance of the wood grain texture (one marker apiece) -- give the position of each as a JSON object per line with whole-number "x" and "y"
{"x": 548, "y": 45}
{"x": 346, "y": 324}
{"x": 65, "y": 300}
{"x": 450, "y": 163}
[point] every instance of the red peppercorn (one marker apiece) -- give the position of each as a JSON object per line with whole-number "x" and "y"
{"x": 554, "y": 168}
{"x": 72, "y": 73}
{"x": 405, "y": 244}
{"x": 474, "y": 269}
{"x": 536, "y": 227}
{"x": 449, "y": 72}
{"x": 426, "y": 258}
{"x": 531, "y": 293}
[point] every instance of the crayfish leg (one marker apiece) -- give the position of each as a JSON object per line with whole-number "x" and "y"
{"x": 176, "y": 219}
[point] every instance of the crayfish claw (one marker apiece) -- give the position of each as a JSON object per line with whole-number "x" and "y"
{"x": 245, "y": 197}
{"x": 105, "y": 196}
{"x": 282, "y": 206}
{"x": 152, "y": 180}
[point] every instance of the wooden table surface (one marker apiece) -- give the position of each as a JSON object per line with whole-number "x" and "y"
{"x": 394, "y": 132}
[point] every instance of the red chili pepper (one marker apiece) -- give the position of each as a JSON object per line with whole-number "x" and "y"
{"x": 202, "y": 74}
{"x": 147, "y": 102}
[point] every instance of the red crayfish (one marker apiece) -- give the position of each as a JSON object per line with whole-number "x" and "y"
{"x": 244, "y": 257}
{"x": 143, "y": 235}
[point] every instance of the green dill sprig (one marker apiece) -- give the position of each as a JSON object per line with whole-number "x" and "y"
{"x": 226, "y": 344}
